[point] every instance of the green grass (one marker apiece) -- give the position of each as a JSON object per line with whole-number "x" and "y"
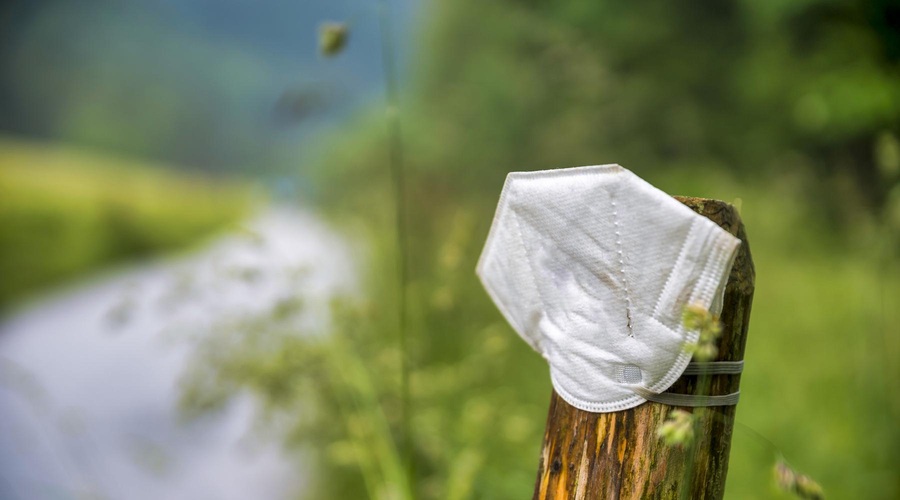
{"x": 65, "y": 212}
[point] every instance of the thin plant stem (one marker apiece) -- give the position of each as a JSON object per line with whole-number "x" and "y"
{"x": 395, "y": 147}
{"x": 703, "y": 384}
{"x": 378, "y": 458}
{"x": 760, "y": 439}
{"x": 776, "y": 451}
{"x": 884, "y": 268}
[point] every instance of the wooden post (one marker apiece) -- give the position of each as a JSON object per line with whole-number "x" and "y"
{"x": 618, "y": 455}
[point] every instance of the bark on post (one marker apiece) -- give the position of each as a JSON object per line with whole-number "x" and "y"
{"x": 618, "y": 455}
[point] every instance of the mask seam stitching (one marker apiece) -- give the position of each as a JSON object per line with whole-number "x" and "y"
{"x": 619, "y": 251}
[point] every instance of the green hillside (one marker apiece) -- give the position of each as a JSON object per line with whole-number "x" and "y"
{"x": 65, "y": 212}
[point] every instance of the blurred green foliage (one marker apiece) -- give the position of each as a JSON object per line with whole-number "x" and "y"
{"x": 65, "y": 211}
{"x": 821, "y": 377}
{"x": 788, "y": 109}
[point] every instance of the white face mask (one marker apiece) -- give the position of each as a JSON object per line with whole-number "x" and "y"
{"x": 592, "y": 267}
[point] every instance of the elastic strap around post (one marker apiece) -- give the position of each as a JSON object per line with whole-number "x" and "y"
{"x": 692, "y": 400}
{"x": 714, "y": 368}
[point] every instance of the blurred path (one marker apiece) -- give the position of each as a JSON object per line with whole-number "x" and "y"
{"x": 89, "y": 377}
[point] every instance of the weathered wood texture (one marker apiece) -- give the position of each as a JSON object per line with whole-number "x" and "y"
{"x": 618, "y": 455}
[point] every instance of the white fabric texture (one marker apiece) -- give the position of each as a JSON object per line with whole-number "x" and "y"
{"x": 592, "y": 267}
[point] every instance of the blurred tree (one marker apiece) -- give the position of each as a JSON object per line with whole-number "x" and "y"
{"x": 751, "y": 87}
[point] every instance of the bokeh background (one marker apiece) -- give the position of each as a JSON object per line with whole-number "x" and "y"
{"x": 201, "y": 175}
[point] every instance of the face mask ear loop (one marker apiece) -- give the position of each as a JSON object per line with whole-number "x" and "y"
{"x": 714, "y": 368}
{"x": 689, "y": 400}
{"x": 696, "y": 400}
